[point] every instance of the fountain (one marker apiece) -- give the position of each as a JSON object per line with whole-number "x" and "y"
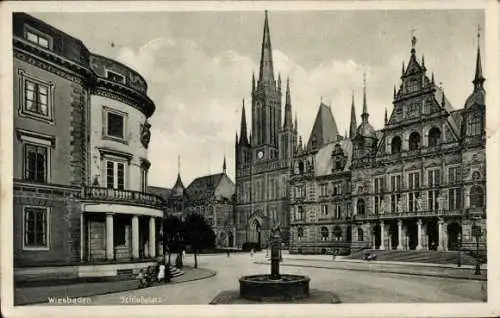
{"x": 275, "y": 287}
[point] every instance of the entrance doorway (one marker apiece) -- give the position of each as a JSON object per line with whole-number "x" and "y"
{"x": 230, "y": 239}
{"x": 454, "y": 233}
{"x": 393, "y": 235}
{"x": 412, "y": 232}
{"x": 433, "y": 235}
{"x": 376, "y": 235}
{"x": 255, "y": 232}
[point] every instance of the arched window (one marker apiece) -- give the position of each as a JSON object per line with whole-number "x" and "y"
{"x": 301, "y": 167}
{"x": 360, "y": 234}
{"x": 414, "y": 141}
{"x": 474, "y": 124}
{"x": 476, "y": 175}
{"x": 361, "y": 207}
{"x": 324, "y": 233}
{"x": 337, "y": 233}
{"x": 396, "y": 145}
{"x": 434, "y": 137}
{"x": 476, "y": 197}
{"x": 300, "y": 233}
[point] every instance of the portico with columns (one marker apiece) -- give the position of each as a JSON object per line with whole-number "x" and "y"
{"x": 121, "y": 233}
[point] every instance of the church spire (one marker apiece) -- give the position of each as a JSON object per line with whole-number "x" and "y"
{"x": 266, "y": 75}
{"x": 364, "y": 115}
{"x": 288, "y": 106}
{"x": 353, "y": 126}
{"x": 385, "y": 117}
{"x": 243, "y": 127}
{"x": 224, "y": 165}
{"x": 478, "y": 76}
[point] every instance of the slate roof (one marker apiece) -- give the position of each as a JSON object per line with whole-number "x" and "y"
{"x": 323, "y": 160}
{"x": 204, "y": 187}
{"x": 324, "y": 128}
{"x": 164, "y": 193}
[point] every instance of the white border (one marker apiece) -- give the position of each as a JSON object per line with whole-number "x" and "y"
{"x": 344, "y": 310}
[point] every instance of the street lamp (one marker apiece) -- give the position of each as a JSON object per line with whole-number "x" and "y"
{"x": 459, "y": 262}
{"x": 476, "y": 232}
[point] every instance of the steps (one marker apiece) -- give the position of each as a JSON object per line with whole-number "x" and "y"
{"x": 175, "y": 272}
{"x": 434, "y": 257}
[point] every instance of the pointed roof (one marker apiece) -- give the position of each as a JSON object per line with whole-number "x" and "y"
{"x": 288, "y": 107}
{"x": 413, "y": 65}
{"x": 224, "y": 165}
{"x": 365, "y": 129}
{"x": 353, "y": 125}
{"x": 243, "y": 126}
{"x": 324, "y": 129}
{"x": 266, "y": 74}
{"x": 478, "y": 95}
{"x": 178, "y": 189}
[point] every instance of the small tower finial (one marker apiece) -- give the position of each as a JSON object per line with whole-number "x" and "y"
{"x": 385, "y": 117}
{"x": 394, "y": 93}
{"x": 432, "y": 79}
{"x": 403, "y": 69}
{"x": 413, "y": 40}
{"x": 224, "y": 164}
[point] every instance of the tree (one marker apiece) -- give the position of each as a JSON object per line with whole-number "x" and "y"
{"x": 173, "y": 229}
{"x": 198, "y": 235}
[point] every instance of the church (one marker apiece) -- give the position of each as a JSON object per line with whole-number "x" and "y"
{"x": 419, "y": 183}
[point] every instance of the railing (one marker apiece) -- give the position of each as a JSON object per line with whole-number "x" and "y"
{"x": 413, "y": 214}
{"x": 121, "y": 196}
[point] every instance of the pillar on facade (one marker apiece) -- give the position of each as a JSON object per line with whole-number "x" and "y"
{"x": 440, "y": 235}
{"x": 135, "y": 237}
{"x": 419, "y": 235}
{"x": 152, "y": 237}
{"x": 382, "y": 233}
{"x": 110, "y": 245}
{"x": 373, "y": 238}
{"x": 400, "y": 236}
{"x": 445, "y": 237}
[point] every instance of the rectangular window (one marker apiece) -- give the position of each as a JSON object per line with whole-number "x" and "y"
{"x": 35, "y": 227}
{"x": 144, "y": 180}
{"x": 454, "y": 197}
{"x": 36, "y": 98}
{"x": 324, "y": 209}
{"x": 379, "y": 184}
{"x": 35, "y": 163}
{"x": 322, "y": 188}
{"x": 394, "y": 202}
{"x": 115, "y": 77}
{"x": 120, "y": 231}
{"x": 37, "y": 39}
{"x": 337, "y": 188}
{"x": 434, "y": 178}
{"x": 395, "y": 183}
{"x": 115, "y": 125}
{"x": 432, "y": 200}
{"x": 454, "y": 175}
{"x": 115, "y": 174}
{"x": 414, "y": 180}
{"x": 338, "y": 211}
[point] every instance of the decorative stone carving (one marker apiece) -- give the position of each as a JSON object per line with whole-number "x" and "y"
{"x": 145, "y": 134}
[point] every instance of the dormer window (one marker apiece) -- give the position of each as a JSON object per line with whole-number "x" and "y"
{"x": 37, "y": 37}
{"x": 115, "y": 77}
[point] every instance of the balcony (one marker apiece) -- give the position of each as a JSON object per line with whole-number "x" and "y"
{"x": 108, "y": 195}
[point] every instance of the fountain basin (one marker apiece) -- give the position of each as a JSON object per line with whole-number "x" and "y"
{"x": 263, "y": 288}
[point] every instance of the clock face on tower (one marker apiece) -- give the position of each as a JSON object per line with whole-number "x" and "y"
{"x": 260, "y": 154}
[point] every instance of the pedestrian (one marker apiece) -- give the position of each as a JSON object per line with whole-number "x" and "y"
{"x": 161, "y": 272}
{"x": 251, "y": 252}
{"x": 227, "y": 251}
{"x": 183, "y": 254}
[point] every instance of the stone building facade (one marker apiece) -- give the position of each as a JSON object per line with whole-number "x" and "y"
{"x": 80, "y": 154}
{"x": 263, "y": 156}
{"x": 416, "y": 184}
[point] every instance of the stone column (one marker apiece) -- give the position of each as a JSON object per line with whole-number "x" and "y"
{"x": 382, "y": 230}
{"x": 152, "y": 237}
{"x": 440, "y": 235}
{"x": 419, "y": 235}
{"x": 400, "y": 237}
{"x": 135, "y": 237}
{"x": 110, "y": 245}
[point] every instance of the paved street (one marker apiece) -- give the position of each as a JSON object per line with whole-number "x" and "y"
{"x": 350, "y": 286}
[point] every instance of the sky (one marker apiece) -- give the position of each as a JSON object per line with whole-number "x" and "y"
{"x": 198, "y": 66}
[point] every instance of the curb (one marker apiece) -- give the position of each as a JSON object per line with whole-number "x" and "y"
{"x": 210, "y": 274}
{"x": 384, "y": 271}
